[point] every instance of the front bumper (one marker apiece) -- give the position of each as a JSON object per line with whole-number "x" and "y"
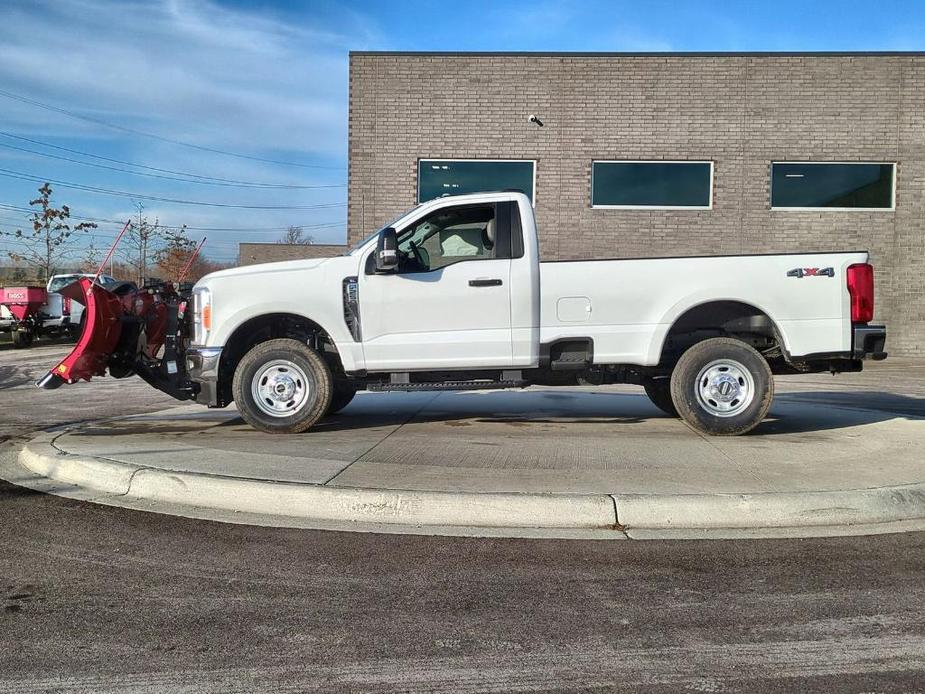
{"x": 868, "y": 341}
{"x": 202, "y": 368}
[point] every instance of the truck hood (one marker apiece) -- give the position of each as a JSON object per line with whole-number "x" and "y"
{"x": 263, "y": 268}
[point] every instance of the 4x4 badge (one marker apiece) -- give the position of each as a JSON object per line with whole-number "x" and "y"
{"x": 811, "y": 272}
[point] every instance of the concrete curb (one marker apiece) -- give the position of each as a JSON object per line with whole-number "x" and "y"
{"x": 314, "y": 502}
{"x": 772, "y": 510}
{"x": 776, "y": 513}
{"x": 107, "y": 477}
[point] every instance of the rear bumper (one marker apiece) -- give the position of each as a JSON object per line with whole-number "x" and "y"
{"x": 868, "y": 342}
{"x": 202, "y": 368}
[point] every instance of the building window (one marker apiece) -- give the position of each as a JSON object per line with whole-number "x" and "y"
{"x": 666, "y": 185}
{"x": 439, "y": 177}
{"x": 832, "y": 186}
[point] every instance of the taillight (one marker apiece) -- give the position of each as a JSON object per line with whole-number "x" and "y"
{"x": 861, "y": 290}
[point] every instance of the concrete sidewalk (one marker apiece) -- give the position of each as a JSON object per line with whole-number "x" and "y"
{"x": 564, "y": 462}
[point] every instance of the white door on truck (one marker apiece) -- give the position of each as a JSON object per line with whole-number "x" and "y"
{"x": 448, "y": 304}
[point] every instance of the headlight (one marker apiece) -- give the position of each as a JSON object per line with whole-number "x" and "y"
{"x": 202, "y": 315}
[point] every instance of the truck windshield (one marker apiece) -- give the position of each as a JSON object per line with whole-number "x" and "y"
{"x": 359, "y": 244}
{"x": 60, "y": 282}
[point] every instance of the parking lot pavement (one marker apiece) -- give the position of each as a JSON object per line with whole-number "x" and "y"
{"x": 99, "y": 598}
{"x": 605, "y": 460}
{"x": 25, "y": 408}
{"x": 561, "y": 441}
{"x": 96, "y": 598}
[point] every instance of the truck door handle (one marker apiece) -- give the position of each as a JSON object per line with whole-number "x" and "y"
{"x": 485, "y": 283}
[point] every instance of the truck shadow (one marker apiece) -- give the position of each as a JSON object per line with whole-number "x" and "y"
{"x": 792, "y": 412}
{"x": 545, "y": 413}
{"x": 816, "y": 411}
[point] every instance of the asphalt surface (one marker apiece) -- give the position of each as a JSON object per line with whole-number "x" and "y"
{"x": 101, "y": 599}
{"x": 25, "y": 408}
{"x": 95, "y": 598}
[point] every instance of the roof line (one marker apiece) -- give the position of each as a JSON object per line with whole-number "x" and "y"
{"x": 648, "y": 54}
{"x": 307, "y": 245}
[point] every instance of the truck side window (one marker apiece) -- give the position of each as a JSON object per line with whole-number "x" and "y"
{"x": 450, "y": 235}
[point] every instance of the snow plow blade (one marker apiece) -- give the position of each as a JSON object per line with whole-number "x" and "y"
{"x": 102, "y": 328}
{"x": 128, "y": 331}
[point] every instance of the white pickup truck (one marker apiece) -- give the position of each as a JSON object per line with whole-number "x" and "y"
{"x": 453, "y": 296}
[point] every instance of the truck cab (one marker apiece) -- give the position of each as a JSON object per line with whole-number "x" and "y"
{"x": 463, "y": 291}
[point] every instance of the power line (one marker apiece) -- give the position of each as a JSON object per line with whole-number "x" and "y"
{"x": 244, "y": 232}
{"x": 166, "y": 174}
{"x": 107, "y": 240}
{"x": 27, "y": 239}
{"x": 173, "y": 178}
{"x": 202, "y": 148}
{"x": 142, "y": 196}
{"x": 120, "y": 222}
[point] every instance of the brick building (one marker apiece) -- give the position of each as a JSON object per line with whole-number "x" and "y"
{"x": 662, "y": 154}
{"x": 255, "y": 253}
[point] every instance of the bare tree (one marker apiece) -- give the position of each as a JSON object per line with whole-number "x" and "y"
{"x": 144, "y": 240}
{"x": 90, "y": 262}
{"x": 176, "y": 251}
{"x": 49, "y": 241}
{"x": 296, "y": 236}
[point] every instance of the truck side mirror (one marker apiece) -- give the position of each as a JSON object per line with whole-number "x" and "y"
{"x": 387, "y": 250}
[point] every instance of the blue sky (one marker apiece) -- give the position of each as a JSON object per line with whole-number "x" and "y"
{"x": 186, "y": 82}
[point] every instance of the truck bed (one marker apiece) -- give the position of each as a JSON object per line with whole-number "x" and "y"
{"x": 628, "y": 305}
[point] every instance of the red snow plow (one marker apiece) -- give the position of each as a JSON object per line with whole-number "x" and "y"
{"x": 126, "y": 331}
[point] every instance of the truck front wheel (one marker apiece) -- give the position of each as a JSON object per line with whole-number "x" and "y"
{"x": 282, "y": 387}
{"x": 722, "y": 387}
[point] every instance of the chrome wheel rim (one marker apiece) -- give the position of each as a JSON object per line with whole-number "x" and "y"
{"x": 280, "y": 388}
{"x": 725, "y": 388}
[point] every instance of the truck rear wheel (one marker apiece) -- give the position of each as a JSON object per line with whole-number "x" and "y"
{"x": 282, "y": 386}
{"x": 722, "y": 387}
{"x": 659, "y": 392}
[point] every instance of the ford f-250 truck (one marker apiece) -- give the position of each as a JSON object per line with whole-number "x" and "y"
{"x": 453, "y": 296}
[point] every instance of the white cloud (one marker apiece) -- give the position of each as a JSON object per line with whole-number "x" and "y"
{"x": 263, "y": 84}
{"x": 190, "y": 70}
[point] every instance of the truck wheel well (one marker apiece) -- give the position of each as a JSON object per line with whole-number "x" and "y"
{"x": 272, "y": 326}
{"x": 722, "y": 319}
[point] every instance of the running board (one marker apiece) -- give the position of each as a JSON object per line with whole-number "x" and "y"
{"x": 446, "y": 385}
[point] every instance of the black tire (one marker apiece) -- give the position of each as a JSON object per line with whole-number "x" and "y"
{"x": 21, "y": 339}
{"x": 298, "y": 370}
{"x": 340, "y": 398}
{"x": 722, "y": 387}
{"x": 659, "y": 392}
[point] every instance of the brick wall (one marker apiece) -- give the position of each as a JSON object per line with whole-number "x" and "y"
{"x": 255, "y": 253}
{"x": 740, "y": 111}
